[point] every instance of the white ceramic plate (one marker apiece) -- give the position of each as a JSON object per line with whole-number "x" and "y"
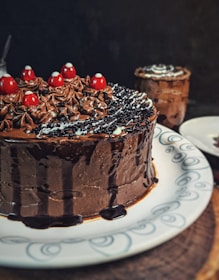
{"x": 201, "y": 132}
{"x": 183, "y": 192}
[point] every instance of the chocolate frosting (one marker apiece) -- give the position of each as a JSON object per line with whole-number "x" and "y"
{"x": 73, "y": 110}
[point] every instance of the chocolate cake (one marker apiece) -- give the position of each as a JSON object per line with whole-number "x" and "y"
{"x": 168, "y": 87}
{"x": 72, "y": 148}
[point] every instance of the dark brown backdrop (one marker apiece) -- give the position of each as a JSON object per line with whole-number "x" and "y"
{"x": 114, "y": 37}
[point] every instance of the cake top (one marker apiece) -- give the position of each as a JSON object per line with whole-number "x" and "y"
{"x": 162, "y": 71}
{"x": 69, "y": 106}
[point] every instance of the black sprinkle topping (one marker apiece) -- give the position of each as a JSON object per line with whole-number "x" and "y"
{"x": 127, "y": 111}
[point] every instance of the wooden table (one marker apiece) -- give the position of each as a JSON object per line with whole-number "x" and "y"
{"x": 194, "y": 254}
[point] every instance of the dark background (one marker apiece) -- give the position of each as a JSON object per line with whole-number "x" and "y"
{"x": 114, "y": 37}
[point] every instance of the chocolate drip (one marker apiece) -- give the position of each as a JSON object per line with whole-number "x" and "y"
{"x": 43, "y": 197}
{"x": 141, "y": 139}
{"x": 149, "y": 170}
{"x": 43, "y": 188}
{"x": 67, "y": 169}
{"x": 89, "y": 152}
{"x": 111, "y": 213}
{"x": 0, "y": 169}
{"x": 41, "y": 177}
{"x": 68, "y": 163}
{"x": 114, "y": 211}
{"x": 44, "y": 222}
{"x": 147, "y": 173}
{"x": 15, "y": 175}
{"x": 116, "y": 149}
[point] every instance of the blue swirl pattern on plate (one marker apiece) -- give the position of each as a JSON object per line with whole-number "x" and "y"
{"x": 183, "y": 192}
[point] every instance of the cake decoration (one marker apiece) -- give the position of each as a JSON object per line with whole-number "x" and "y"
{"x": 56, "y": 80}
{"x": 28, "y": 74}
{"x": 8, "y": 84}
{"x": 30, "y": 99}
{"x": 98, "y": 81}
{"x": 68, "y": 71}
{"x": 36, "y": 83}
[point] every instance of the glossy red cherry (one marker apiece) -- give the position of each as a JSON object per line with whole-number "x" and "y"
{"x": 98, "y": 81}
{"x": 56, "y": 80}
{"x": 68, "y": 71}
{"x": 8, "y": 84}
{"x": 30, "y": 99}
{"x": 28, "y": 74}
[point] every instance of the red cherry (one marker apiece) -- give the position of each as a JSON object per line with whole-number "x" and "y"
{"x": 28, "y": 74}
{"x": 30, "y": 99}
{"x": 8, "y": 84}
{"x": 56, "y": 80}
{"x": 68, "y": 71}
{"x": 98, "y": 81}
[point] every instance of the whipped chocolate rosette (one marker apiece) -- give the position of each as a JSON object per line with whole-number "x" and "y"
{"x": 29, "y": 81}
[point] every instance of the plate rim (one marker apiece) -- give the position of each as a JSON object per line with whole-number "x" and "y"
{"x": 189, "y": 121}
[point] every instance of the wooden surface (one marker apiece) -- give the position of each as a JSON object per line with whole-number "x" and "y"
{"x": 210, "y": 270}
{"x": 194, "y": 254}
